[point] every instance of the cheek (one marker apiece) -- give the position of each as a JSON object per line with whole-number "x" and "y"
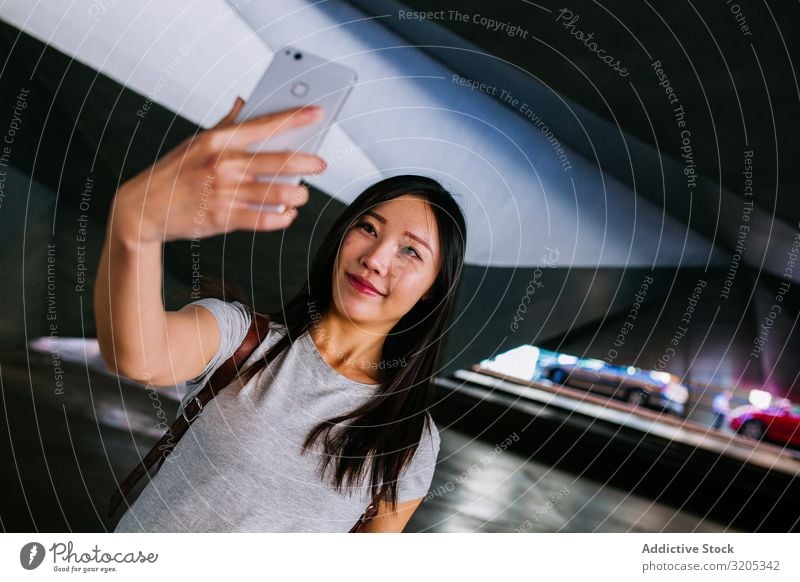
{"x": 350, "y": 247}
{"x": 412, "y": 284}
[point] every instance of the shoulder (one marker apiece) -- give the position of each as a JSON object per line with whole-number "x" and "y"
{"x": 230, "y": 315}
{"x": 416, "y": 477}
{"x": 233, "y": 321}
{"x": 429, "y": 445}
{"x": 431, "y": 434}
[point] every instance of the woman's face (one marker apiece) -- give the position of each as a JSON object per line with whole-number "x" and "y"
{"x": 394, "y": 246}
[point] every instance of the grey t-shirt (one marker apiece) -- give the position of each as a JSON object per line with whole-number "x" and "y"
{"x": 239, "y": 467}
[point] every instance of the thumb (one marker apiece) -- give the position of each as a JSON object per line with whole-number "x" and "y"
{"x": 231, "y": 116}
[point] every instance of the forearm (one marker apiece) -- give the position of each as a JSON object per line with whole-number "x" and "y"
{"x": 163, "y": 203}
{"x": 128, "y": 305}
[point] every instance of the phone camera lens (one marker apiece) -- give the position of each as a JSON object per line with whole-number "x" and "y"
{"x": 298, "y": 56}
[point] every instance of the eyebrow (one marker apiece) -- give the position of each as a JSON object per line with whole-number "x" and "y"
{"x": 407, "y": 233}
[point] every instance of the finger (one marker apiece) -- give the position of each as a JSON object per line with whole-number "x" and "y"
{"x": 265, "y": 126}
{"x": 252, "y": 220}
{"x": 248, "y": 165}
{"x": 231, "y": 116}
{"x": 250, "y": 195}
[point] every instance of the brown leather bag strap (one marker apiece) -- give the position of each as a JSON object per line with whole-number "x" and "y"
{"x": 224, "y": 375}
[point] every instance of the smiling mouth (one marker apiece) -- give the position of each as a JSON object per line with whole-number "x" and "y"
{"x": 358, "y": 286}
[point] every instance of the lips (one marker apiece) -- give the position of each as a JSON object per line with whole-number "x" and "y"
{"x": 363, "y": 285}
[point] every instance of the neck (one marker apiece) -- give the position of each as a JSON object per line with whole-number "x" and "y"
{"x": 348, "y": 346}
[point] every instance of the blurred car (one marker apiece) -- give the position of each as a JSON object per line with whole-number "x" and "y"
{"x": 656, "y": 390}
{"x": 780, "y": 423}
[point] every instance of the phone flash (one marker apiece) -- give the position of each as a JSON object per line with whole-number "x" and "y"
{"x": 299, "y": 89}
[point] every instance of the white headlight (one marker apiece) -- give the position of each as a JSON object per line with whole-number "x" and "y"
{"x": 676, "y": 392}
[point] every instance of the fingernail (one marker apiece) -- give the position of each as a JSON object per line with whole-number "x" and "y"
{"x": 312, "y": 112}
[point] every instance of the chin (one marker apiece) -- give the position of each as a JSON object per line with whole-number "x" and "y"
{"x": 356, "y": 306}
{"x": 359, "y": 310}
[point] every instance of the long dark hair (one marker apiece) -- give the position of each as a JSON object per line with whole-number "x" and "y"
{"x": 389, "y": 426}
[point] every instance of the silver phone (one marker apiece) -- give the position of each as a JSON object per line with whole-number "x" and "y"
{"x": 295, "y": 78}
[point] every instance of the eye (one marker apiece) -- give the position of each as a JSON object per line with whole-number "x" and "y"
{"x": 412, "y": 249}
{"x": 367, "y": 225}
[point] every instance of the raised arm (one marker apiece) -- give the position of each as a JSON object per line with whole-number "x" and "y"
{"x": 197, "y": 190}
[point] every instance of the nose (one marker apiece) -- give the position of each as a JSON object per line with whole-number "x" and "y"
{"x": 378, "y": 258}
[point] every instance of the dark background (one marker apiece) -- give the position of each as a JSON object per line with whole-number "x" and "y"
{"x": 740, "y": 92}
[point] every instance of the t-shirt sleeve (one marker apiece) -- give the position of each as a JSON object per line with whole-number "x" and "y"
{"x": 415, "y": 480}
{"x": 233, "y": 320}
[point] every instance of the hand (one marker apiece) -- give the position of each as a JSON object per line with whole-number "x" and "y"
{"x": 201, "y": 187}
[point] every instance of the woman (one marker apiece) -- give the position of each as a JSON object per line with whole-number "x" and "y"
{"x": 303, "y": 443}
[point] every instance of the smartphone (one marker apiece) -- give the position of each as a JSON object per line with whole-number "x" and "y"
{"x": 295, "y": 78}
